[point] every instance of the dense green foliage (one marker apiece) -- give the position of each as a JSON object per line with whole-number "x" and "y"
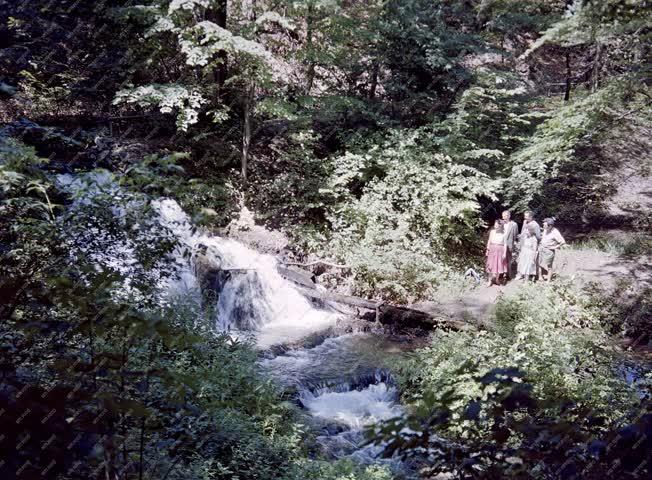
{"x": 547, "y": 333}
{"x": 416, "y": 214}
{"x": 542, "y": 394}
{"x": 333, "y": 109}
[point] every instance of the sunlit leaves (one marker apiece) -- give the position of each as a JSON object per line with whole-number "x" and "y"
{"x": 167, "y": 98}
{"x": 402, "y": 213}
{"x": 202, "y": 41}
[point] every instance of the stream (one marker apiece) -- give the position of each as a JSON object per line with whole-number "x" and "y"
{"x": 344, "y": 382}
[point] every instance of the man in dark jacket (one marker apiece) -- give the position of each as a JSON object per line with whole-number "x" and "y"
{"x": 511, "y": 231}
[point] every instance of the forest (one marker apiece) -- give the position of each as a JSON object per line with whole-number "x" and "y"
{"x": 250, "y": 239}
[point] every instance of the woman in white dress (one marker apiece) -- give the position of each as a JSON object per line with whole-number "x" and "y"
{"x": 527, "y": 257}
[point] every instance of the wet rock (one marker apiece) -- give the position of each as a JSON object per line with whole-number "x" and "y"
{"x": 49, "y": 142}
{"x": 276, "y": 350}
{"x": 245, "y": 230}
{"x": 113, "y": 154}
{"x": 6, "y": 90}
{"x": 334, "y": 429}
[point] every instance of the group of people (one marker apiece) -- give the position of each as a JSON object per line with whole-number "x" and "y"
{"x": 533, "y": 251}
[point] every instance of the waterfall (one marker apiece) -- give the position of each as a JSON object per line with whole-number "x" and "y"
{"x": 251, "y": 294}
{"x": 336, "y": 380}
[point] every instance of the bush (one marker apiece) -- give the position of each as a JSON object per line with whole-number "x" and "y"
{"x": 403, "y": 215}
{"x": 339, "y": 470}
{"x": 549, "y": 332}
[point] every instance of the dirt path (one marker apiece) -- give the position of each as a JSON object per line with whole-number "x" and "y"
{"x": 581, "y": 266}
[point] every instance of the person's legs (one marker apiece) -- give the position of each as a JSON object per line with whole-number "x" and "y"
{"x": 509, "y": 273}
{"x": 550, "y": 274}
{"x": 511, "y": 268}
{"x": 544, "y": 273}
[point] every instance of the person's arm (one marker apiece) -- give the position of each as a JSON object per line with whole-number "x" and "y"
{"x": 488, "y": 242}
{"x": 559, "y": 239}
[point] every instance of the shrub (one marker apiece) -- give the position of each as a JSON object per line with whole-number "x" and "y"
{"x": 339, "y": 470}
{"x": 551, "y": 333}
{"x": 403, "y": 215}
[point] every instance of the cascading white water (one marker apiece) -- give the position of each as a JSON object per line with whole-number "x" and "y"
{"x": 252, "y": 295}
{"x": 343, "y": 382}
{"x": 354, "y": 408}
{"x": 345, "y": 411}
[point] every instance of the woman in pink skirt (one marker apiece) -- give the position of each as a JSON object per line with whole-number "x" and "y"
{"x": 496, "y": 253}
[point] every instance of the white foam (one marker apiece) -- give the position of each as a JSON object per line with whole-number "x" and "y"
{"x": 354, "y": 408}
{"x": 255, "y": 297}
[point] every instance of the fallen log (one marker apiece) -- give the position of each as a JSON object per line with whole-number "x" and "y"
{"x": 339, "y": 298}
{"x": 298, "y": 276}
{"x": 406, "y": 317}
{"x": 386, "y": 314}
{"x": 318, "y": 262}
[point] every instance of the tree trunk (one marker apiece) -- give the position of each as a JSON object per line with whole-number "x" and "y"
{"x": 220, "y": 72}
{"x": 246, "y": 131}
{"x": 595, "y": 76}
{"x": 310, "y": 74}
{"x": 110, "y": 470}
{"x": 310, "y": 77}
{"x": 141, "y": 462}
{"x": 568, "y": 77}
{"x": 374, "y": 80}
{"x": 248, "y": 109}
